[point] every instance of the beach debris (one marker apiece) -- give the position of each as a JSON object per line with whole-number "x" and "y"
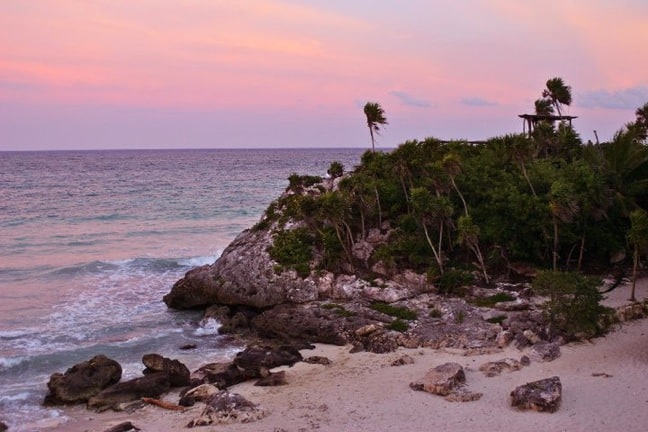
{"x": 602, "y": 374}
{"x": 542, "y": 395}
{"x": 324, "y": 361}
{"x": 178, "y": 373}
{"x": 441, "y": 380}
{"x": 495, "y": 368}
{"x": 403, "y": 360}
{"x": 152, "y": 385}
{"x": 545, "y": 351}
{"x": 163, "y": 404}
{"x": 82, "y": 381}
{"x": 273, "y": 379}
{"x": 123, "y": 427}
{"x": 197, "y": 394}
{"x": 225, "y": 407}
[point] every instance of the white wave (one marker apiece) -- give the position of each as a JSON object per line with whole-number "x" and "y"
{"x": 198, "y": 261}
{"x": 208, "y": 326}
{"x": 9, "y": 362}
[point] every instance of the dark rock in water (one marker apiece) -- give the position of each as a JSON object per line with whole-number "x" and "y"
{"x": 83, "y": 381}
{"x": 225, "y": 407}
{"x": 267, "y": 357}
{"x": 3, "y": 427}
{"x": 441, "y": 380}
{"x": 542, "y": 395}
{"x": 188, "y": 347}
{"x": 274, "y": 379}
{"x": 152, "y": 385}
{"x": 123, "y": 427}
{"x": 178, "y": 372}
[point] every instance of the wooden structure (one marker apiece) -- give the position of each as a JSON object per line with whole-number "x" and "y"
{"x": 531, "y": 120}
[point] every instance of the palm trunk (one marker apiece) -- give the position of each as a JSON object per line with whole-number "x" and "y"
{"x": 555, "y": 244}
{"x": 437, "y": 254}
{"x": 635, "y": 264}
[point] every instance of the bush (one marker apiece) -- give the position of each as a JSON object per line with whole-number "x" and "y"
{"x": 490, "y": 301}
{"x": 395, "y": 311}
{"x": 293, "y": 249}
{"x": 573, "y": 308}
{"x": 453, "y": 279}
{"x": 398, "y": 325}
{"x": 336, "y": 169}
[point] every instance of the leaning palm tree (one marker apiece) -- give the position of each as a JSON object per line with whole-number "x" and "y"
{"x": 375, "y": 118}
{"x": 558, "y": 93}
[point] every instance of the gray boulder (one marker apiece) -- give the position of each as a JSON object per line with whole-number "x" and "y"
{"x": 542, "y": 395}
{"x": 441, "y": 380}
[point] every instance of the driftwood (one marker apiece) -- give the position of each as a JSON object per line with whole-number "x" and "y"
{"x": 163, "y": 404}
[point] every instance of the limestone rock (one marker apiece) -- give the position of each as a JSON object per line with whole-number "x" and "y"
{"x": 492, "y": 369}
{"x": 257, "y": 357}
{"x": 197, "y": 394}
{"x": 225, "y": 407}
{"x": 403, "y": 360}
{"x": 273, "y": 379}
{"x": 542, "y": 395}
{"x": 545, "y": 351}
{"x": 178, "y": 372}
{"x": 324, "y": 361}
{"x": 441, "y": 380}
{"x": 83, "y": 381}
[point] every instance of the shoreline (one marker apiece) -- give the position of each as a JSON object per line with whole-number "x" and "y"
{"x": 604, "y": 388}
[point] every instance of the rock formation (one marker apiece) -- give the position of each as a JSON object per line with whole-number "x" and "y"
{"x": 542, "y": 395}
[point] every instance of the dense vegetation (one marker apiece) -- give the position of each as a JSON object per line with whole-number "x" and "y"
{"x": 459, "y": 212}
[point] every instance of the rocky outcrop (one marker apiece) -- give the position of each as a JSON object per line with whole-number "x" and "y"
{"x": 542, "y": 395}
{"x": 83, "y": 381}
{"x": 152, "y": 386}
{"x": 177, "y": 372}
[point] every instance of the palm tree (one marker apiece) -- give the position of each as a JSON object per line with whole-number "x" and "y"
{"x": 375, "y": 118}
{"x": 544, "y": 107}
{"x": 641, "y": 124}
{"x": 558, "y": 93}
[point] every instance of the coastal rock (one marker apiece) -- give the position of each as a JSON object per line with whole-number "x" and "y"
{"x": 273, "y": 379}
{"x": 3, "y": 427}
{"x": 403, "y": 360}
{"x": 178, "y": 372}
{"x": 542, "y": 395}
{"x": 545, "y": 352}
{"x": 267, "y": 357}
{"x": 225, "y": 407}
{"x": 197, "y": 394}
{"x": 492, "y": 369}
{"x": 83, "y": 381}
{"x": 324, "y": 361}
{"x": 123, "y": 427}
{"x": 441, "y": 380}
{"x": 152, "y": 385}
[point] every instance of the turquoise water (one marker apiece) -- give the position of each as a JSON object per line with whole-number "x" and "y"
{"x": 91, "y": 241}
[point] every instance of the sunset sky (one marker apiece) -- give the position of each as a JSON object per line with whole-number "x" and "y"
{"x": 88, "y": 74}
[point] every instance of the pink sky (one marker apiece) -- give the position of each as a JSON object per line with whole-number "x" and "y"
{"x": 83, "y": 74}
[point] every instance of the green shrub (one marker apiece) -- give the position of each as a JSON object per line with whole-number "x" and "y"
{"x": 395, "y": 311}
{"x": 490, "y": 301}
{"x": 336, "y": 169}
{"x": 398, "y": 325}
{"x": 573, "y": 308}
{"x": 435, "y": 313}
{"x": 499, "y": 319}
{"x": 453, "y": 279}
{"x": 293, "y": 249}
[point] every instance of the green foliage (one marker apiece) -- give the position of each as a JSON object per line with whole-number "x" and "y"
{"x": 435, "y": 313}
{"x": 395, "y": 311}
{"x": 336, "y": 169}
{"x": 398, "y": 325}
{"x": 499, "y": 319}
{"x": 298, "y": 182}
{"x": 490, "y": 301}
{"x": 293, "y": 249}
{"x": 453, "y": 280}
{"x": 573, "y": 308}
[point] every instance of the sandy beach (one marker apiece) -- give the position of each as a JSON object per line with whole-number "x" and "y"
{"x": 605, "y": 388}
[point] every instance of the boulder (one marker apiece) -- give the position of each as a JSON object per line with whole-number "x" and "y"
{"x": 178, "y": 372}
{"x": 3, "y": 427}
{"x": 542, "y": 395}
{"x": 152, "y": 386}
{"x": 273, "y": 379}
{"x": 225, "y": 407}
{"x": 123, "y": 427}
{"x": 545, "y": 351}
{"x": 324, "y": 361}
{"x": 267, "y": 357}
{"x": 197, "y": 394}
{"x": 441, "y": 380}
{"x": 492, "y": 369}
{"x": 83, "y": 381}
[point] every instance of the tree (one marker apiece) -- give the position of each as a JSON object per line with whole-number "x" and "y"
{"x": 375, "y": 118}
{"x": 638, "y": 236}
{"x": 544, "y": 107}
{"x": 558, "y": 93}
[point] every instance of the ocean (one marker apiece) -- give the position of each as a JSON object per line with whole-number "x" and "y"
{"x": 90, "y": 241}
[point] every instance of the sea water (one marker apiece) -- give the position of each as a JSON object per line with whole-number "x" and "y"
{"x": 90, "y": 241}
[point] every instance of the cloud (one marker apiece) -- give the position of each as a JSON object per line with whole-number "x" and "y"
{"x": 629, "y": 98}
{"x": 409, "y": 100}
{"x": 477, "y": 102}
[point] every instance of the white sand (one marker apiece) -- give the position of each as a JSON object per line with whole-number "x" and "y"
{"x": 362, "y": 392}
